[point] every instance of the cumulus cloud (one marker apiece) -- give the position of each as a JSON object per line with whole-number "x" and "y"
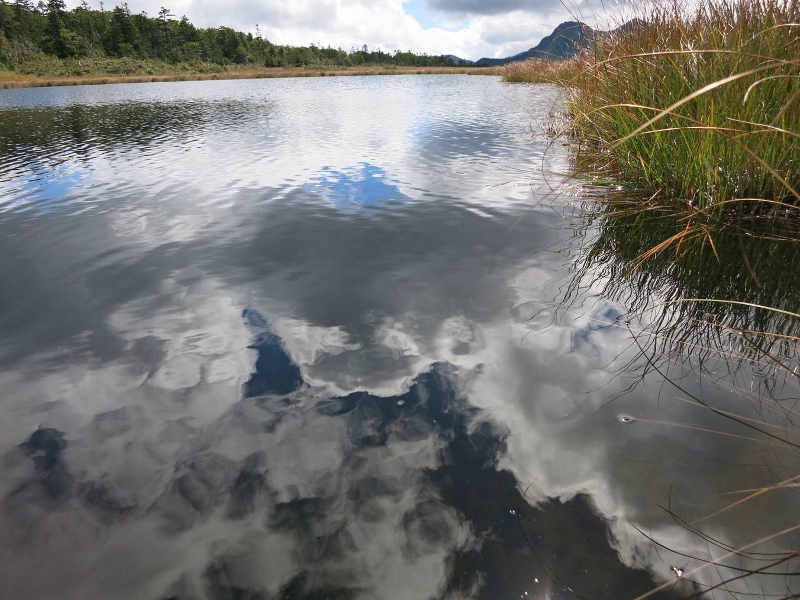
{"x": 467, "y": 28}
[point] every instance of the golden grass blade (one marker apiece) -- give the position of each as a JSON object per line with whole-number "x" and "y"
{"x": 719, "y": 560}
{"x": 729, "y": 414}
{"x": 738, "y": 302}
{"x": 742, "y": 501}
{"x": 762, "y": 80}
{"x": 708, "y": 51}
{"x": 705, "y": 429}
{"x": 704, "y": 90}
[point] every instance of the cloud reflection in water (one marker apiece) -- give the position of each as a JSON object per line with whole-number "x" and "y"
{"x": 260, "y": 381}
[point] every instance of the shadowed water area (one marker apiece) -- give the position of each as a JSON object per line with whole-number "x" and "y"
{"x": 361, "y": 338}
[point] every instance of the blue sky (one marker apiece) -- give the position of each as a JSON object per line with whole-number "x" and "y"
{"x": 424, "y": 16}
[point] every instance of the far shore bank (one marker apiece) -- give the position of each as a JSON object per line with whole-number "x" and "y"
{"x": 12, "y": 79}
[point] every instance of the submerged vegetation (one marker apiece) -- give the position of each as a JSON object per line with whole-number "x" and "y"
{"x": 50, "y": 41}
{"x": 702, "y": 105}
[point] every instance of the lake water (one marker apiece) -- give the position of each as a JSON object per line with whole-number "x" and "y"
{"x": 340, "y": 338}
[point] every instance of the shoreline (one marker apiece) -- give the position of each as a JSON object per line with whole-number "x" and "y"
{"x": 13, "y": 80}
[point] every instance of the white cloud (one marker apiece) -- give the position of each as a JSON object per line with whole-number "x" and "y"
{"x": 381, "y": 24}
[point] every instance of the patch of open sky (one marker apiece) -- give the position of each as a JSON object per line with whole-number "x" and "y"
{"x": 364, "y": 186}
{"x": 43, "y": 188}
{"x": 430, "y": 19}
{"x": 419, "y": 10}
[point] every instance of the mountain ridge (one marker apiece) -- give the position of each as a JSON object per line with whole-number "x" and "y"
{"x": 567, "y": 40}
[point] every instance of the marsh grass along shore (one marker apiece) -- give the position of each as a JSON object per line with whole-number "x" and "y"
{"x": 12, "y": 79}
{"x": 698, "y": 105}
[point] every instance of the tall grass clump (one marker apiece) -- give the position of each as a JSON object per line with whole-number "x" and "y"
{"x": 701, "y": 104}
{"x": 535, "y": 70}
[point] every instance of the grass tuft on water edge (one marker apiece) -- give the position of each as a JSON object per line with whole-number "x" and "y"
{"x": 701, "y": 104}
{"x": 537, "y": 70}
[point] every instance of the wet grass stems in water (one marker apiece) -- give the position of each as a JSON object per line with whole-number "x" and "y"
{"x": 717, "y": 299}
{"x": 697, "y": 290}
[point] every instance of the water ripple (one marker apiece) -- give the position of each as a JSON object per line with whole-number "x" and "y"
{"x": 262, "y": 339}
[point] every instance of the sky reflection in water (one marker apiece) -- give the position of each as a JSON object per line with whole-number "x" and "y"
{"x": 280, "y": 340}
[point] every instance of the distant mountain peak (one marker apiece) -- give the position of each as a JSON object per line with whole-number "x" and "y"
{"x": 567, "y": 39}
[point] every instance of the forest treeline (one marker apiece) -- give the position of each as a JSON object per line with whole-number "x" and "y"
{"x": 48, "y": 29}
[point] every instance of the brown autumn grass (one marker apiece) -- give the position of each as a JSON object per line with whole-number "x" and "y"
{"x": 10, "y": 79}
{"x": 561, "y": 72}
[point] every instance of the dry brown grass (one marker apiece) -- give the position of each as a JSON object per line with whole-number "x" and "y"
{"x": 561, "y": 72}
{"x": 10, "y": 79}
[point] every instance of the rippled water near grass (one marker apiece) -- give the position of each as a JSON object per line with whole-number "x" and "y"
{"x": 306, "y": 339}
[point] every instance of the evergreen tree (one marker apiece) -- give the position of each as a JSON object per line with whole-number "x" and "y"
{"x": 50, "y": 28}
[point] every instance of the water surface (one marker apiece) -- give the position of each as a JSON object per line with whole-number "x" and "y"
{"x": 308, "y": 339}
